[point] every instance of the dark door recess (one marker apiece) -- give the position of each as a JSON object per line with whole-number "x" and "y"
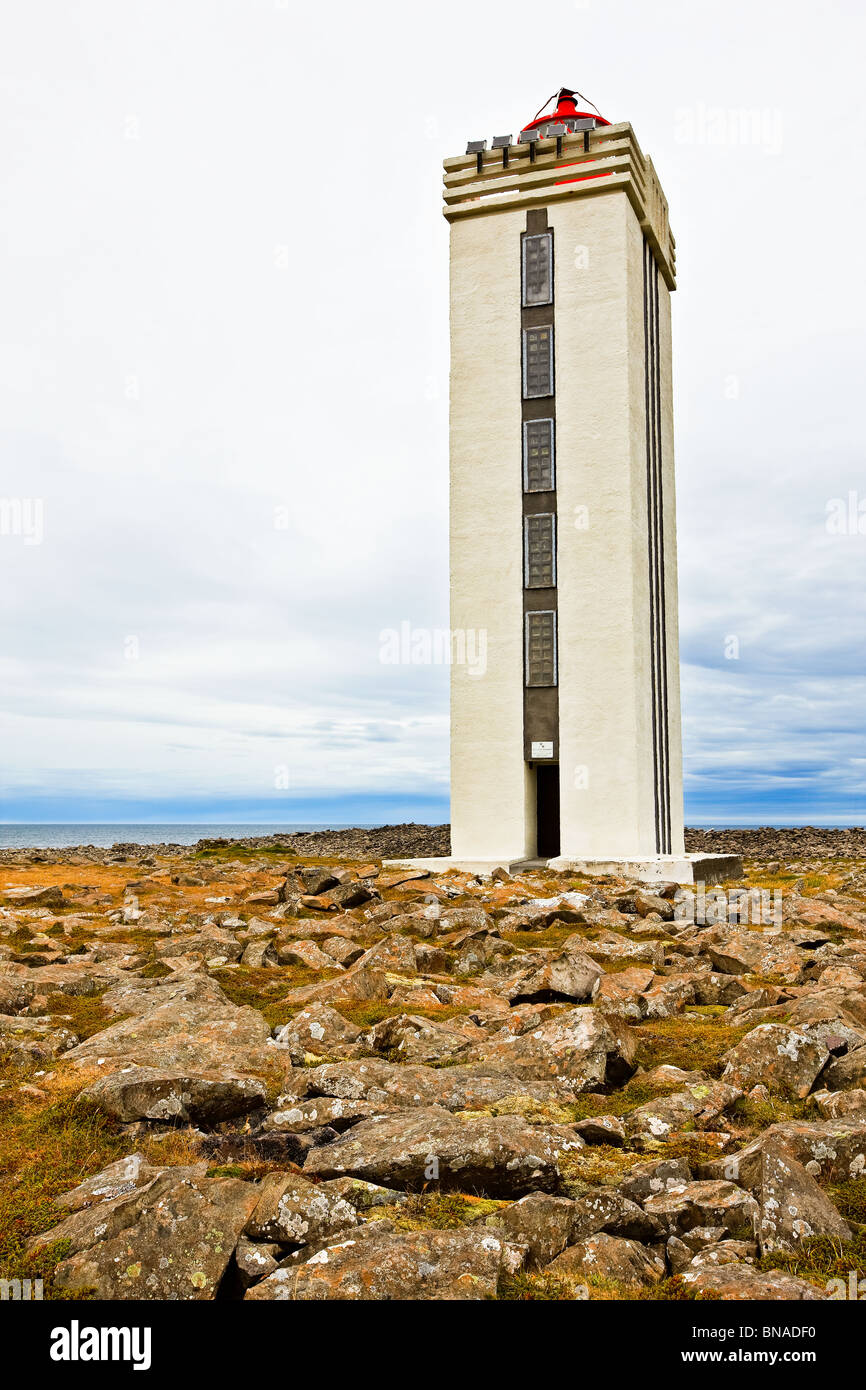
{"x": 547, "y": 808}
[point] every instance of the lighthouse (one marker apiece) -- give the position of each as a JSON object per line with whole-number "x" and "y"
{"x": 567, "y": 748}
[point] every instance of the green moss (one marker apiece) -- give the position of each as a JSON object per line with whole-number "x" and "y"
{"x": 534, "y": 1288}
{"x": 84, "y": 1014}
{"x": 45, "y": 1150}
{"x": 760, "y": 1114}
{"x": 850, "y": 1199}
{"x": 155, "y": 970}
{"x": 692, "y": 1042}
{"x": 820, "y": 1259}
{"x": 438, "y": 1211}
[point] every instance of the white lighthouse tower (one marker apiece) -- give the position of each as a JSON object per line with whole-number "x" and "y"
{"x": 563, "y": 533}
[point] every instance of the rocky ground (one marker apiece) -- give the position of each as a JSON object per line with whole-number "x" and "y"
{"x": 257, "y": 1070}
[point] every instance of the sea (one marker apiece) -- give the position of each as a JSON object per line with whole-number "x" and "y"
{"x": 42, "y": 836}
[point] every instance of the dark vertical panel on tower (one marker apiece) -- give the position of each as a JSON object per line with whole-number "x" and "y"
{"x": 656, "y": 556}
{"x": 540, "y": 684}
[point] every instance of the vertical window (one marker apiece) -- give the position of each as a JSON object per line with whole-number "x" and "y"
{"x": 538, "y": 464}
{"x": 538, "y": 361}
{"x": 541, "y": 648}
{"x": 539, "y": 551}
{"x": 538, "y": 269}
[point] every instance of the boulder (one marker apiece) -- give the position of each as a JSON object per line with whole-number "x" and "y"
{"x": 307, "y": 953}
{"x": 145, "y": 1093}
{"x": 735, "y": 1282}
{"x": 540, "y": 1222}
{"x": 316, "y": 880}
{"x": 580, "y": 1047}
{"x": 571, "y": 975}
{"x": 649, "y": 1179}
{"x": 317, "y": 1030}
{"x": 831, "y": 1151}
{"x": 393, "y": 1265}
{"x": 179, "y": 1023}
{"x": 301, "y": 1116}
{"x": 342, "y": 950}
{"x": 601, "y": 1129}
{"x": 793, "y": 1207}
{"x": 29, "y": 1040}
{"x": 609, "y": 1259}
{"x": 499, "y": 1156}
{"x": 417, "y": 1039}
{"x": 291, "y": 1210}
{"x": 835, "y": 1105}
{"x": 386, "y": 1085}
{"x": 846, "y": 1073}
{"x": 49, "y": 896}
{"x": 698, "y": 1106}
{"x": 709, "y": 1203}
{"x": 603, "y": 1209}
{"x": 785, "y": 1061}
{"x": 172, "y": 1240}
{"x": 254, "y": 1260}
{"x": 359, "y": 985}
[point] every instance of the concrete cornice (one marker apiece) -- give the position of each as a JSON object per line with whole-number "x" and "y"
{"x": 613, "y": 163}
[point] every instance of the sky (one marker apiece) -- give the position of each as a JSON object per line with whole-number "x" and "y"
{"x": 224, "y": 382}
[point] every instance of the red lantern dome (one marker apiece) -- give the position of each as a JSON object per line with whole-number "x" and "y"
{"x": 567, "y": 114}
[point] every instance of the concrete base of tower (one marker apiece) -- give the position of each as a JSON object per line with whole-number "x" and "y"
{"x": 708, "y": 869}
{"x": 672, "y": 868}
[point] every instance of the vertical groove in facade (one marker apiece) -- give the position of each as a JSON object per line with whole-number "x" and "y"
{"x": 656, "y": 556}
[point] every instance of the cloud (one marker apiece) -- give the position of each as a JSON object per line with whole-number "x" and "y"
{"x": 223, "y": 370}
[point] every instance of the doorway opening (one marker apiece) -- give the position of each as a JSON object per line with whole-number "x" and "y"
{"x": 547, "y": 809}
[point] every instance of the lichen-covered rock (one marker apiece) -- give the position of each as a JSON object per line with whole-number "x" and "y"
{"x": 28, "y": 1040}
{"x": 846, "y": 1073}
{"x": 571, "y": 975}
{"x": 580, "y": 1047}
{"x": 456, "y": 1266}
{"x": 293, "y": 1211}
{"x": 736, "y": 1282}
{"x": 179, "y": 1024}
{"x": 254, "y": 1260}
{"x": 413, "y": 1038}
{"x": 707, "y": 1203}
{"x": 836, "y": 1105}
{"x": 609, "y": 1259}
{"x": 500, "y": 1156}
{"x": 793, "y": 1208}
{"x": 784, "y": 1060}
{"x": 300, "y": 1116}
{"x": 831, "y": 1151}
{"x": 145, "y": 1093}
{"x": 172, "y": 1240}
{"x": 317, "y": 1030}
{"x": 385, "y": 1085}
{"x": 650, "y": 1178}
{"x": 698, "y": 1106}
{"x": 602, "y": 1209}
{"x": 541, "y": 1222}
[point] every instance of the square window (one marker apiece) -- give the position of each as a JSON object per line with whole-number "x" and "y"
{"x": 539, "y": 551}
{"x": 538, "y": 361}
{"x": 538, "y": 269}
{"x": 541, "y": 666}
{"x": 539, "y": 473}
